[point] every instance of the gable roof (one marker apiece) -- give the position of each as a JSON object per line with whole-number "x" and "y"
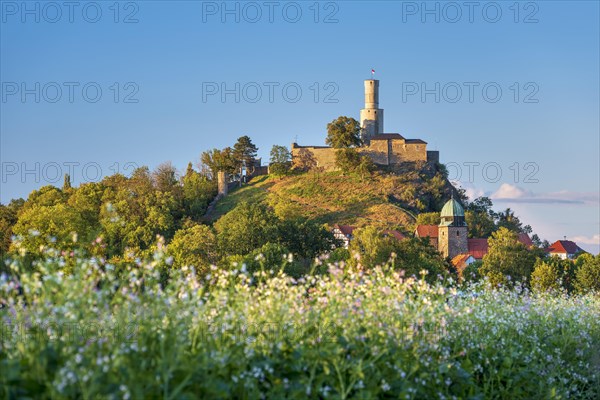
{"x": 395, "y": 234}
{"x": 564, "y": 247}
{"x": 477, "y": 248}
{"x": 416, "y": 141}
{"x": 427, "y": 230}
{"x": 386, "y": 136}
{"x": 525, "y": 239}
{"x": 460, "y": 261}
{"x": 345, "y": 229}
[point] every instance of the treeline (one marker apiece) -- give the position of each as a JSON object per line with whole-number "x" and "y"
{"x": 109, "y": 217}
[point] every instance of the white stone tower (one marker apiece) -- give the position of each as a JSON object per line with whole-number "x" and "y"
{"x": 371, "y": 117}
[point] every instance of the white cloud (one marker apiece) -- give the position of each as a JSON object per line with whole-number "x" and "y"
{"x": 515, "y": 194}
{"x": 594, "y": 240}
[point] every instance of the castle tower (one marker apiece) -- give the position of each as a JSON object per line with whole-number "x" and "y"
{"x": 371, "y": 117}
{"x": 452, "y": 231}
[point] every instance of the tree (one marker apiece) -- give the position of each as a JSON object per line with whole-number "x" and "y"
{"x": 194, "y": 245}
{"x": 587, "y": 273}
{"x": 219, "y": 161}
{"x": 507, "y": 219}
{"x": 365, "y": 167}
{"x": 245, "y": 228}
{"x": 343, "y": 132}
{"x": 430, "y": 218}
{"x": 8, "y": 218}
{"x": 198, "y": 192}
{"x": 507, "y": 260}
{"x": 371, "y": 246}
{"x": 545, "y": 277}
{"x": 347, "y": 159}
{"x": 305, "y": 238}
{"x": 480, "y": 217}
{"x": 165, "y": 178}
{"x": 66, "y": 183}
{"x": 244, "y": 153}
{"x": 279, "y": 163}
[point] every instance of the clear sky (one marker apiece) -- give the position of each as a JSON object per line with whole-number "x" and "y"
{"x": 495, "y": 87}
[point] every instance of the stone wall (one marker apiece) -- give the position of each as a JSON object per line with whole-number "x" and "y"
{"x": 323, "y": 157}
{"x": 452, "y": 240}
{"x": 382, "y": 152}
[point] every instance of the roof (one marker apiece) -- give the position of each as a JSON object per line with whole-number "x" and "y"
{"x": 460, "y": 261}
{"x": 477, "y": 248}
{"x": 386, "y": 136}
{"x": 345, "y": 229}
{"x": 564, "y": 247}
{"x": 415, "y": 141}
{"x": 397, "y": 235}
{"x": 525, "y": 239}
{"x": 427, "y": 230}
{"x": 452, "y": 208}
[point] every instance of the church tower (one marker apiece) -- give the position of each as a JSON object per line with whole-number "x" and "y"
{"x": 452, "y": 231}
{"x": 371, "y": 117}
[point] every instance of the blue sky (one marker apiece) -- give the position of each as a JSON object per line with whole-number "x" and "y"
{"x": 162, "y": 66}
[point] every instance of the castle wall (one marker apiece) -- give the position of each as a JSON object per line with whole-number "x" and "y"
{"x": 324, "y": 157}
{"x": 378, "y": 151}
{"x": 402, "y": 152}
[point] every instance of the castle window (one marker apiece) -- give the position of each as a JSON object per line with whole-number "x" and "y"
{"x": 457, "y": 233}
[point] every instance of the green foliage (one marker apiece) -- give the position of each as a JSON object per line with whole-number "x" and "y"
{"x": 354, "y": 333}
{"x": 198, "y": 192}
{"x": 245, "y": 228}
{"x": 471, "y": 273}
{"x": 280, "y": 161}
{"x": 194, "y": 245}
{"x": 508, "y": 260}
{"x": 430, "y": 218}
{"x": 412, "y": 255}
{"x": 545, "y": 277}
{"x": 349, "y": 160}
{"x": 244, "y": 153}
{"x": 343, "y": 132}
{"x": 219, "y": 161}
{"x": 587, "y": 274}
{"x": 8, "y": 218}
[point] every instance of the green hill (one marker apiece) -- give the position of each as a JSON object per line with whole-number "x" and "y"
{"x": 387, "y": 200}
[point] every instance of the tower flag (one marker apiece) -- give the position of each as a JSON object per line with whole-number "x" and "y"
{"x": 372, "y": 72}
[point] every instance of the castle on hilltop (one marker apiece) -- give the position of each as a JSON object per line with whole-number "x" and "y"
{"x": 382, "y": 148}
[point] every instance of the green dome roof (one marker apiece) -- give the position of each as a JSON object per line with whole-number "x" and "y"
{"x": 452, "y": 208}
{"x": 453, "y": 214}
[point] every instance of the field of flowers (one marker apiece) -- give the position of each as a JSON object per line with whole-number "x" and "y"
{"x": 104, "y": 332}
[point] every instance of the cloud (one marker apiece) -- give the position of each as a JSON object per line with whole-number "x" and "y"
{"x": 515, "y": 194}
{"x": 594, "y": 240}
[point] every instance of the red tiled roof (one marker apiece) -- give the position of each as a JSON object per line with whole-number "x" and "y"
{"x": 345, "y": 229}
{"x": 460, "y": 260}
{"x": 564, "y": 247}
{"x": 427, "y": 230}
{"x": 397, "y": 235}
{"x": 477, "y": 248}
{"x": 525, "y": 239}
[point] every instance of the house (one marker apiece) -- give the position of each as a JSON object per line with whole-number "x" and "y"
{"x": 462, "y": 261}
{"x": 343, "y": 233}
{"x": 564, "y": 249}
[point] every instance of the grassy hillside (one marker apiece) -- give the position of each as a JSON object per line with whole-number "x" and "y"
{"x": 384, "y": 200}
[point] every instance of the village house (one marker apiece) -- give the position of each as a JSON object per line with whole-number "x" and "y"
{"x": 564, "y": 249}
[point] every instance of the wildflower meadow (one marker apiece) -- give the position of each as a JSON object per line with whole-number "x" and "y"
{"x": 83, "y": 328}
